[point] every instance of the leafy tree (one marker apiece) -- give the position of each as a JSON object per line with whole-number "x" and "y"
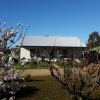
{"x": 93, "y": 40}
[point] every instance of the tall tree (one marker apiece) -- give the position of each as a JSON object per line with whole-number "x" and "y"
{"x": 93, "y": 40}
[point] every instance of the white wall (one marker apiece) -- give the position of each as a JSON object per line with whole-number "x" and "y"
{"x": 25, "y": 53}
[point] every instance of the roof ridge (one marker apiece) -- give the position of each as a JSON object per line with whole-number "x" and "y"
{"x": 49, "y": 36}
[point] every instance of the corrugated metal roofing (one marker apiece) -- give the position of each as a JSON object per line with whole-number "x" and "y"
{"x": 52, "y": 41}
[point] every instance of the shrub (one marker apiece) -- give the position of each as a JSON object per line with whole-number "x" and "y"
{"x": 32, "y": 65}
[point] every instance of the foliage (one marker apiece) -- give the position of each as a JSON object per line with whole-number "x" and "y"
{"x": 37, "y": 64}
{"x": 66, "y": 63}
{"x": 33, "y": 65}
{"x": 93, "y": 40}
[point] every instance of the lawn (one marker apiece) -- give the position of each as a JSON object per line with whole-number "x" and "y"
{"x": 47, "y": 88}
{"x": 43, "y": 88}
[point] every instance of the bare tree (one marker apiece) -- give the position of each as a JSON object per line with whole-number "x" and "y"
{"x": 78, "y": 78}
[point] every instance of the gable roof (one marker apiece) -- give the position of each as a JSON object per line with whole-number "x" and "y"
{"x": 52, "y": 41}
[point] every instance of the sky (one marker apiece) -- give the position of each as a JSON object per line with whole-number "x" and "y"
{"x": 53, "y": 17}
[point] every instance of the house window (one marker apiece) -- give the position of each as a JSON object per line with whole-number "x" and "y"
{"x": 32, "y": 53}
{"x": 38, "y": 53}
{"x": 45, "y": 53}
{"x": 65, "y": 53}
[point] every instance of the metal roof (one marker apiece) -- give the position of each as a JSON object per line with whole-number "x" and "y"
{"x": 52, "y": 41}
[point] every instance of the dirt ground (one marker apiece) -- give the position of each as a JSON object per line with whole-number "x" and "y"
{"x": 37, "y": 72}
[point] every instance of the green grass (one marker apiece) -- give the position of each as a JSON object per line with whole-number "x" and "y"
{"x": 40, "y": 65}
{"x": 95, "y": 95}
{"x": 48, "y": 88}
{"x": 43, "y": 88}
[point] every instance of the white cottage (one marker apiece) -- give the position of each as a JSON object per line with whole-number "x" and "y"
{"x": 37, "y": 46}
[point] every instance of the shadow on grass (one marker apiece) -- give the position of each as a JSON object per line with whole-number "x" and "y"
{"x": 26, "y": 91}
{"x": 30, "y": 79}
{"x": 33, "y": 80}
